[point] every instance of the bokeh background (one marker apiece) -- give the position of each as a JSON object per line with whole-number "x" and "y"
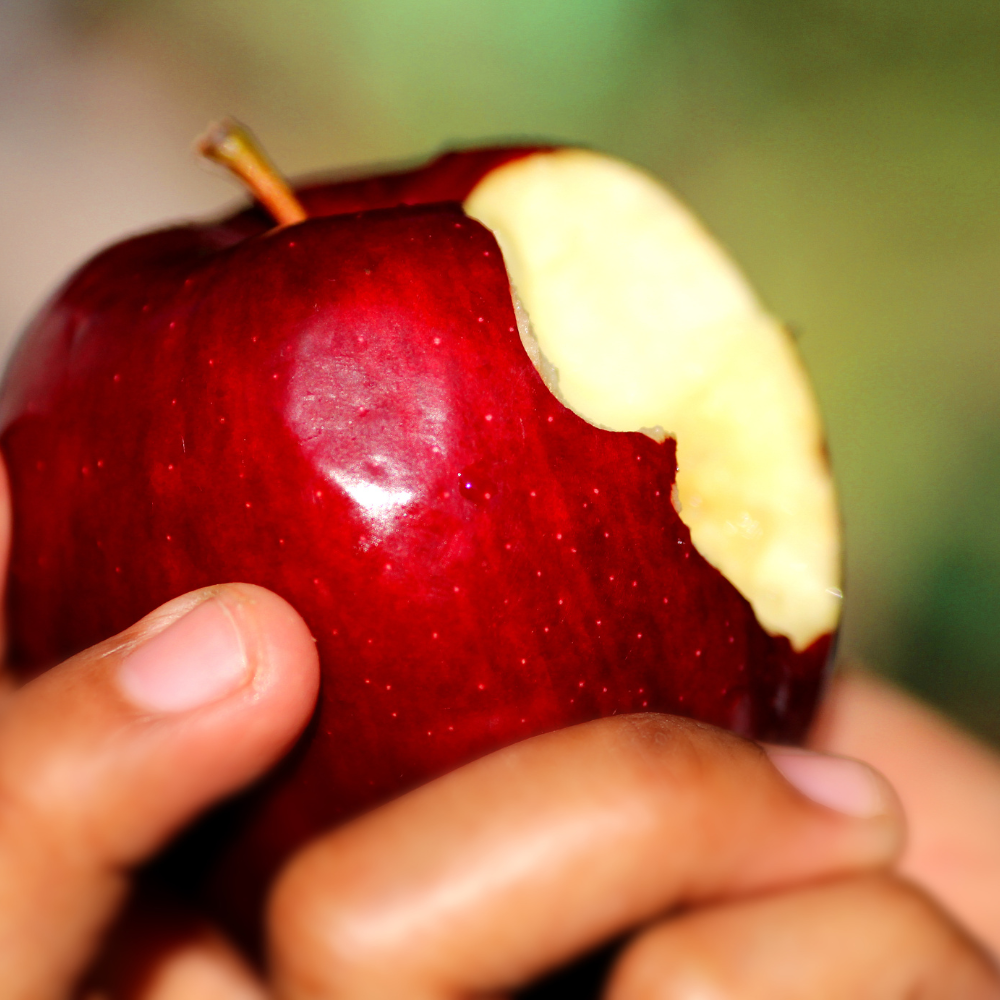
{"x": 846, "y": 151}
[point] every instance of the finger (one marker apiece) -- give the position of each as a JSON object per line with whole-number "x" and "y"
{"x": 161, "y": 951}
{"x": 949, "y": 785}
{"x": 516, "y": 863}
{"x": 868, "y": 938}
{"x": 104, "y": 757}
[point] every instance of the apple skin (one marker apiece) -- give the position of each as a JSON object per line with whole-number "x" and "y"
{"x": 342, "y": 411}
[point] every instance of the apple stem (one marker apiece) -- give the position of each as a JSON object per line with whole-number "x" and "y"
{"x": 234, "y": 146}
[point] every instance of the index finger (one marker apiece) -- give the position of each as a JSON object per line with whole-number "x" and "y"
{"x": 527, "y": 858}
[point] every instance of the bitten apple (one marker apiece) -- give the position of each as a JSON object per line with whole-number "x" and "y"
{"x": 441, "y": 412}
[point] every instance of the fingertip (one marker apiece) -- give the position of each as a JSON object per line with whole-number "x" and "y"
{"x": 858, "y": 796}
{"x": 283, "y": 650}
{"x": 229, "y": 646}
{"x": 845, "y": 785}
{"x": 256, "y": 722}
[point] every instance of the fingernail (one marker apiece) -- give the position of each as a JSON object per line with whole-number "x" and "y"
{"x": 193, "y": 662}
{"x": 848, "y": 786}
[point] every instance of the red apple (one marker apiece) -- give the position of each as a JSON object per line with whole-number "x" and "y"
{"x": 449, "y": 481}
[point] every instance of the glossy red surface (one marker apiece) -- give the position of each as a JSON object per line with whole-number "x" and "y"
{"x": 342, "y": 411}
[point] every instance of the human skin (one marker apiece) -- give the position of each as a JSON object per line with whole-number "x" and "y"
{"x": 949, "y": 785}
{"x": 470, "y": 885}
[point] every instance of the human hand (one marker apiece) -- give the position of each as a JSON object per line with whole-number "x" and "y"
{"x": 105, "y": 757}
{"x": 949, "y": 786}
{"x": 506, "y": 868}
{"x": 741, "y": 885}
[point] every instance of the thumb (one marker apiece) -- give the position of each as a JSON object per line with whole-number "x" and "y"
{"x": 103, "y": 758}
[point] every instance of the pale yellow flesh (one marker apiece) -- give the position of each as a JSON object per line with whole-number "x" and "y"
{"x": 641, "y": 322}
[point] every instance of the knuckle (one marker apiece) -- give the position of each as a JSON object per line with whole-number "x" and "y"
{"x": 293, "y": 897}
{"x": 685, "y": 747}
{"x": 912, "y": 911}
{"x": 673, "y": 760}
{"x": 313, "y": 911}
{"x": 663, "y": 963}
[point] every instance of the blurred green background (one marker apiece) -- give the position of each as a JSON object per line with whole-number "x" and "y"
{"x": 846, "y": 151}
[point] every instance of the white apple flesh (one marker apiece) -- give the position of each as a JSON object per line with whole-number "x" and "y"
{"x": 638, "y": 321}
